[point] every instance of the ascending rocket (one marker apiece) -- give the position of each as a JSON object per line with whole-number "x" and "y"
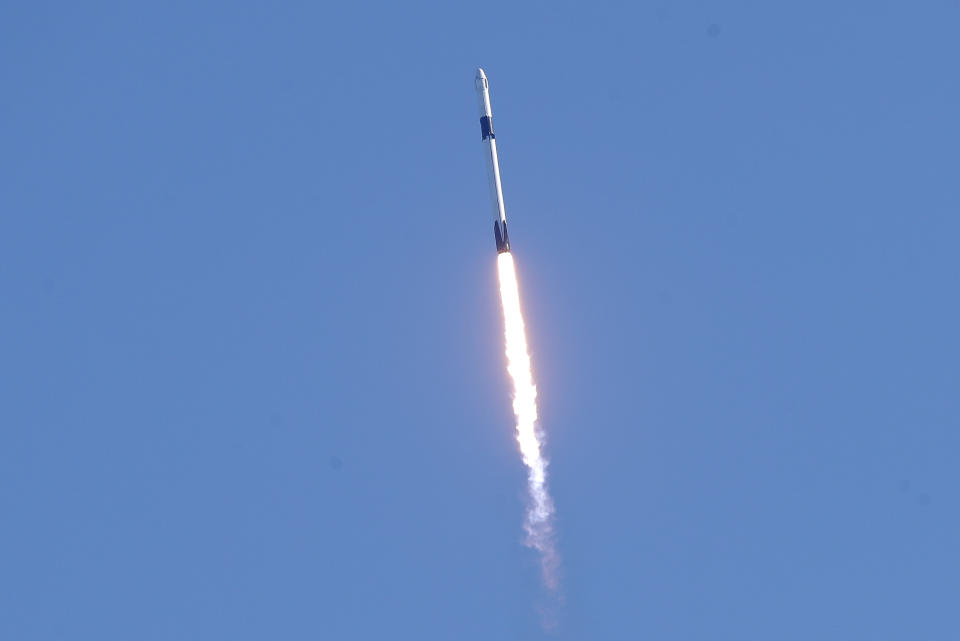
{"x": 493, "y": 164}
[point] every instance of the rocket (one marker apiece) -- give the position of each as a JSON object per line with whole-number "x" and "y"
{"x": 493, "y": 163}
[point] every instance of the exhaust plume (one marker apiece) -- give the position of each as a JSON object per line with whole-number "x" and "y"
{"x": 539, "y": 518}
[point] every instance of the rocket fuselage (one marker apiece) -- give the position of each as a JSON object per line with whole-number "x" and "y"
{"x": 493, "y": 163}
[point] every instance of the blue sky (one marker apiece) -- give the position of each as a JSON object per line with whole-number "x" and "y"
{"x": 252, "y": 381}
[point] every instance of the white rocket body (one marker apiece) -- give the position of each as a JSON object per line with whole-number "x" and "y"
{"x": 493, "y": 163}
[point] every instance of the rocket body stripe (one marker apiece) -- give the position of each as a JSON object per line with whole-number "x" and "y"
{"x": 493, "y": 162}
{"x": 486, "y": 128}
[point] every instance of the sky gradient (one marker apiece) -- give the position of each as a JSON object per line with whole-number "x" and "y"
{"x": 252, "y": 382}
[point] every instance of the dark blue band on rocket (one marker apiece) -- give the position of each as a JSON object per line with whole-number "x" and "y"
{"x": 486, "y": 128}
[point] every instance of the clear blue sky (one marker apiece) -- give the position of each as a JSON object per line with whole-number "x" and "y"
{"x": 251, "y": 373}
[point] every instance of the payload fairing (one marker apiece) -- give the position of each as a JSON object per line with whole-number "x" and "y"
{"x": 493, "y": 163}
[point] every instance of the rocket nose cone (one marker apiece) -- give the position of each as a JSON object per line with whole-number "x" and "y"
{"x": 481, "y": 80}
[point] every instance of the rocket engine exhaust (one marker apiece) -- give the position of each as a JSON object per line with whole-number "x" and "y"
{"x": 539, "y": 518}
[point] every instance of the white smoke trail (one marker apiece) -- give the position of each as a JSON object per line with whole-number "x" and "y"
{"x": 539, "y": 519}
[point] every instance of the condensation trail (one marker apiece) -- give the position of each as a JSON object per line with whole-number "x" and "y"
{"x": 539, "y": 519}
